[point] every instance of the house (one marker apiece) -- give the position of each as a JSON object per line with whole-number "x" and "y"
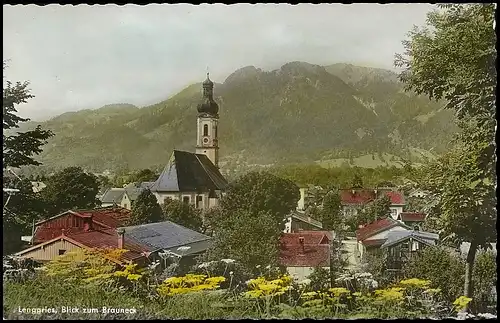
{"x": 89, "y": 239}
{"x": 166, "y": 238}
{"x": 402, "y": 246}
{"x": 144, "y": 243}
{"x": 353, "y": 200}
{"x": 191, "y": 178}
{"x": 412, "y": 219}
{"x": 299, "y": 221}
{"x": 79, "y": 221}
{"x": 38, "y": 186}
{"x": 417, "y": 193}
{"x": 112, "y": 196}
{"x": 301, "y": 252}
{"x": 373, "y": 235}
{"x": 124, "y": 197}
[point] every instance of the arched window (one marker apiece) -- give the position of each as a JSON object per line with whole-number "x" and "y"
{"x": 215, "y": 132}
{"x": 205, "y": 130}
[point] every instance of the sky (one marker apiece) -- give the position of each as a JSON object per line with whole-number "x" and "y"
{"x": 84, "y": 57}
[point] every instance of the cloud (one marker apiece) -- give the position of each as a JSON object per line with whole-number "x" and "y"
{"x": 85, "y": 56}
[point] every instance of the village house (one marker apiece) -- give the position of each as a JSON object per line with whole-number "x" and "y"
{"x": 354, "y": 199}
{"x": 412, "y": 219}
{"x": 371, "y": 236}
{"x": 303, "y": 251}
{"x": 38, "y": 186}
{"x": 402, "y": 246}
{"x": 124, "y": 197}
{"x": 104, "y": 229}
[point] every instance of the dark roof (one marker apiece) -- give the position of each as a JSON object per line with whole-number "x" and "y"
{"x": 113, "y": 195}
{"x": 399, "y": 236}
{"x": 376, "y": 227}
{"x": 133, "y": 193}
{"x": 111, "y": 216}
{"x": 163, "y": 235}
{"x": 307, "y": 219}
{"x": 373, "y": 242}
{"x": 189, "y": 172}
{"x": 311, "y": 254}
{"x": 412, "y": 216}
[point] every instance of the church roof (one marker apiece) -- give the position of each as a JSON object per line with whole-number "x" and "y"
{"x": 189, "y": 172}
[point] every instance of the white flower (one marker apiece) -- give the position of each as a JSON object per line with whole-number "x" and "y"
{"x": 487, "y": 315}
{"x": 183, "y": 248}
{"x": 305, "y": 282}
{"x": 258, "y": 266}
{"x": 268, "y": 267}
{"x": 206, "y": 264}
{"x": 230, "y": 273}
{"x": 228, "y": 261}
{"x": 374, "y": 284}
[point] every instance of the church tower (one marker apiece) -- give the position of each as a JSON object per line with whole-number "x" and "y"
{"x": 208, "y": 117}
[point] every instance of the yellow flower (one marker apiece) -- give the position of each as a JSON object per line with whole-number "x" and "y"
{"x": 461, "y": 302}
{"x": 433, "y": 291}
{"x": 339, "y": 291}
{"x": 391, "y": 294}
{"x": 356, "y": 294}
{"x": 173, "y": 281}
{"x": 309, "y": 295}
{"x": 130, "y": 267}
{"x": 215, "y": 280}
{"x": 120, "y": 274}
{"x": 415, "y": 282}
{"x": 133, "y": 277}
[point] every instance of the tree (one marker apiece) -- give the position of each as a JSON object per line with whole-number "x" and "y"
{"x": 357, "y": 181}
{"x": 454, "y": 59}
{"x": 144, "y": 175}
{"x": 250, "y": 238}
{"x": 104, "y": 182}
{"x": 183, "y": 214}
{"x": 331, "y": 212}
{"x": 145, "y": 209}
{"x": 71, "y": 188}
{"x": 21, "y": 210}
{"x": 444, "y": 269}
{"x": 376, "y": 210}
{"x": 19, "y": 149}
{"x": 258, "y": 192}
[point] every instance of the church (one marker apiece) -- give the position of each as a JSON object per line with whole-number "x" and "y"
{"x": 191, "y": 177}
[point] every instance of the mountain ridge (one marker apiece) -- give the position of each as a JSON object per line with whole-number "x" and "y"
{"x": 300, "y": 112}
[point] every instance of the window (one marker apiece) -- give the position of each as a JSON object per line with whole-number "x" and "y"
{"x": 199, "y": 202}
{"x": 215, "y": 132}
{"x": 62, "y": 252}
{"x": 185, "y": 199}
{"x": 125, "y": 205}
{"x": 394, "y": 213}
{"x": 205, "y": 130}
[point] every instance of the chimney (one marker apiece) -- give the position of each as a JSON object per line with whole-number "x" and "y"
{"x": 121, "y": 237}
{"x": 87, "y": 225}
{"x": 301, "y": 241}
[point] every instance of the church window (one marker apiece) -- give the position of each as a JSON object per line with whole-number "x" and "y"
{"x": 215, "y": 131}
{"x": 185, "y": 199}
{"x": 205, "y": 130}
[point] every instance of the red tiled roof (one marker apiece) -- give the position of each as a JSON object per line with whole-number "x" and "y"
{"x": 375, "y": 227}
{"x": 310, "y": 237}
{"x": 373, "y": 243}
{"x": 412, "y": 216}
{"x": 311, "y": 256}
{"x": 112, "y": 216}
{"x": 397, "y": 198}
{"x": 357, "y": 196}
{"x": 314, "y": 252}
{"x": 103, "y": 239}
{"x": 363, "y": 196}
